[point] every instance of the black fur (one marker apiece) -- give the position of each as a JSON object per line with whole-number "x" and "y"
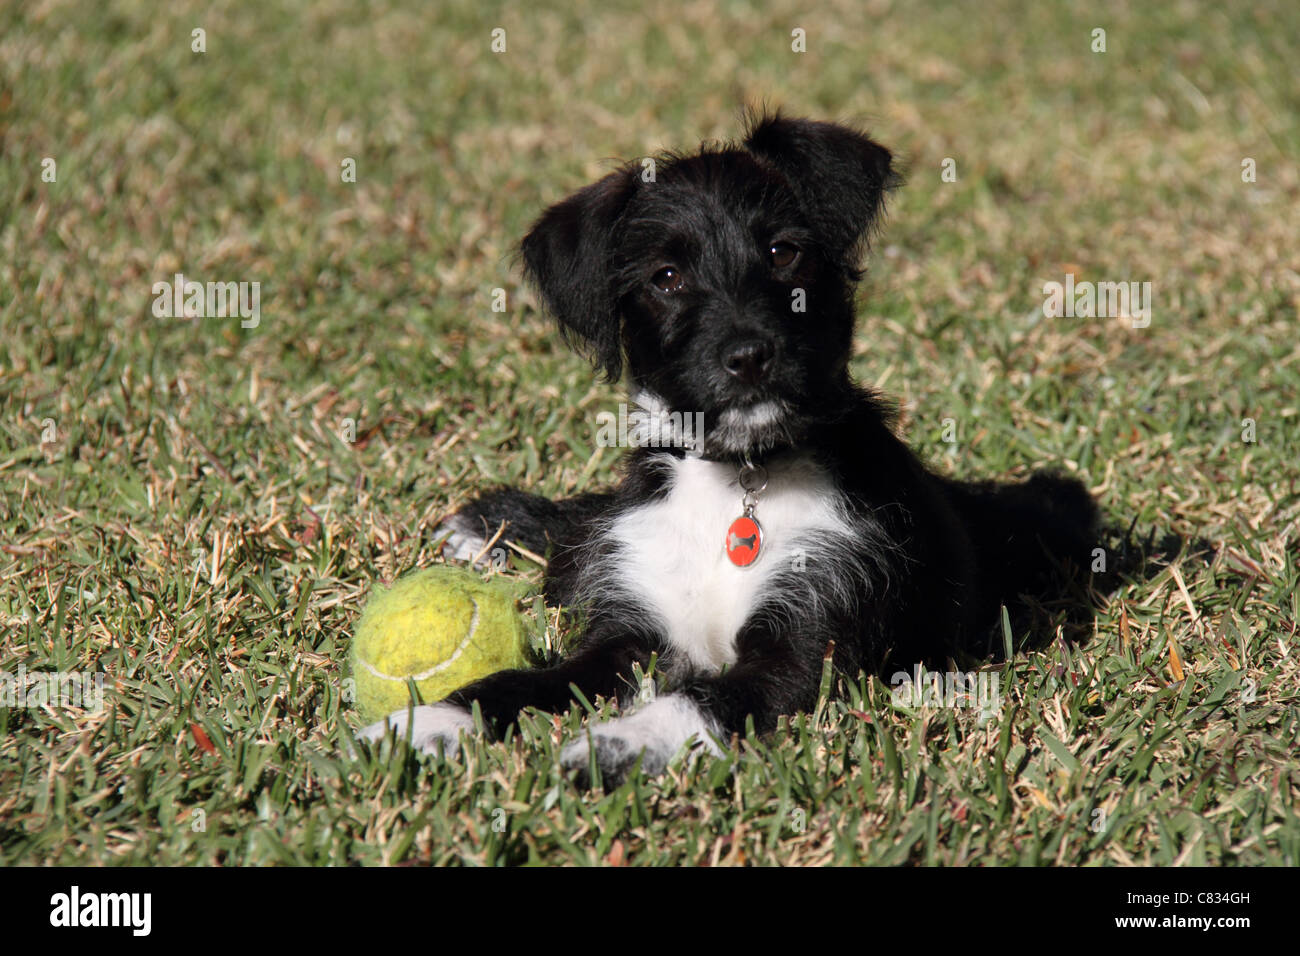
{"x": 936, "y": 559}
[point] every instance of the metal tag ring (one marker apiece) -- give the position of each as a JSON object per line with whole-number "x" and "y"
{"x": 753, "y": 478}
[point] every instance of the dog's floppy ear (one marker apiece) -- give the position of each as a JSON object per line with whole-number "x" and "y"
{"x": 567, "y": 259}
{"x": 839, "y": 175}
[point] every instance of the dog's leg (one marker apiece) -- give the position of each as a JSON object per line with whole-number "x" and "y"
{"x": 773, "y": 675}
{"x": 430, "y": 727}
{"x": 1032, "y": 539}
{"x": 654, "y": 734}
{"x": 531, "y": 521}
{"x": 602, "y": 666}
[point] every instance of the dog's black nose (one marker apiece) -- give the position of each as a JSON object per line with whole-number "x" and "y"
{"x": 748, "y": 360}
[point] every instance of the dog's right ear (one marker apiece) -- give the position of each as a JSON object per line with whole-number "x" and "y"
{"x": 567, "y": 259}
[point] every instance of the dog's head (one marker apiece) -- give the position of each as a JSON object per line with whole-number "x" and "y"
{"x": 722, "y": 281}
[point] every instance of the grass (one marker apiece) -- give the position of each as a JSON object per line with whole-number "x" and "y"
{"x": 184, "y": 512}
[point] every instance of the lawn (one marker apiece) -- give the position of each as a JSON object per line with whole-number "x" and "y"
{"x": 195, "y": 508}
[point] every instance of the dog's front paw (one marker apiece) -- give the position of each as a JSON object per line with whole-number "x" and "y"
{"x": 655, "y": 734}
{"x": 463, "y": 542}
{"x": 615, "y": 757}
{"x": 432, "y": 727}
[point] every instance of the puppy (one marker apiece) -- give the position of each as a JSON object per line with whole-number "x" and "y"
{"x": 794, "y": 524}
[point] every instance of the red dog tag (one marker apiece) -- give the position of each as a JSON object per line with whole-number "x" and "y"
{"x": 744, "y": 539}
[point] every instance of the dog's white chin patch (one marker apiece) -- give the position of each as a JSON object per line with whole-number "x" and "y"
{"x": 655, "y": 733}
{"x": 432, "y": 727}
{"x": 752, "y": 427}
{"x": 758, "y": 415}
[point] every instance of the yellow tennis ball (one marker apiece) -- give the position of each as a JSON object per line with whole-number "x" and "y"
{"x": 441, "y": 627}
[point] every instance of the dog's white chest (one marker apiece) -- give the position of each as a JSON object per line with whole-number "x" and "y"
{"x": 670, "y": 555}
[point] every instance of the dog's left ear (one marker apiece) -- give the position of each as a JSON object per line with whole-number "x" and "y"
{"x": 567, "y": 259}
{"x": 840, "y": 176}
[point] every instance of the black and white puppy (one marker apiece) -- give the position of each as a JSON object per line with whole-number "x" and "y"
{"x": 723, "y": 285}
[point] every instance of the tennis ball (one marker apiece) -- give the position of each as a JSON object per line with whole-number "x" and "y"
{"x": 440, "y": 627}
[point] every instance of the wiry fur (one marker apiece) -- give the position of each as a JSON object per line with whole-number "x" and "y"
{"x": 867, "y": 554}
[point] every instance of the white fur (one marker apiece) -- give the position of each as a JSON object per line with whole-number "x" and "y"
{"x": 659, "y": 730}
{"x": 756, "y": 426}
{"x": 461, "y": 544}
{"x": 758, "y": 415}
{"x": 668, "y": 554}
{"x": 663, "y": 428}
{"x": 433, "y": 727}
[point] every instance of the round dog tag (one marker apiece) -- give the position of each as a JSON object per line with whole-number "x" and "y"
{"x": 744, "y": 539}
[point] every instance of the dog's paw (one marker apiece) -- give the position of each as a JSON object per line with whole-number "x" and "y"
{"x": 432, "y": 727}
{"x": 655, "y": 734}
{"x": 463, "y": 543}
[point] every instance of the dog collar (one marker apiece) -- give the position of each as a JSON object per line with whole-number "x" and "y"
{"x": 744, "y": 542}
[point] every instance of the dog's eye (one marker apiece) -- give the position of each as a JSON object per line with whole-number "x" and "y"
{"x": 783, "y": 254}
{"x": 667, "y": 279}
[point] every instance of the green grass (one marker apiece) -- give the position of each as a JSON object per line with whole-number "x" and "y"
{"x": 200, "y": 533}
